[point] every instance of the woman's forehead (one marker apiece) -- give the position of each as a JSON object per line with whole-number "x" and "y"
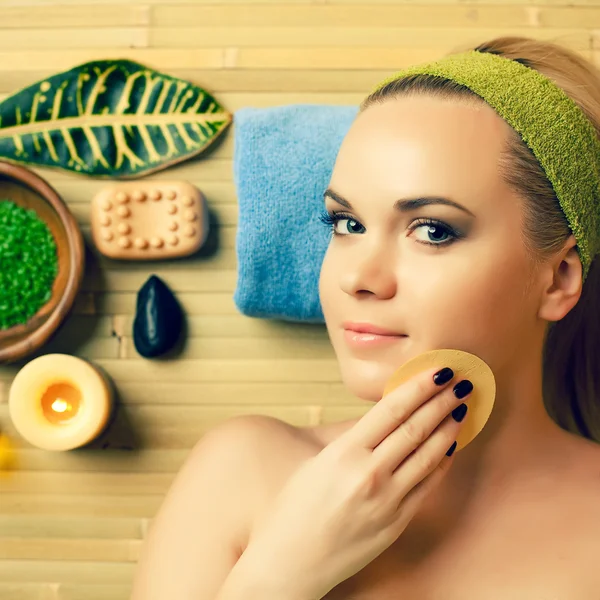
{"x": 420, "y": 124}
{"x": 410, "y": 145}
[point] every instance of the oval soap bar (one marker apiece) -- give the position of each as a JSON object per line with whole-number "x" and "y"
{"x": 158, "y": 319}
{"x": 465, "y": 366}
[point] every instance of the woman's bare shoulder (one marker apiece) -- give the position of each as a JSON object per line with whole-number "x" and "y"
{"x": 278, "y": 448}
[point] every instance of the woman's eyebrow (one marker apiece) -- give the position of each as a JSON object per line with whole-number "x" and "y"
{"x": 403, "y": 205}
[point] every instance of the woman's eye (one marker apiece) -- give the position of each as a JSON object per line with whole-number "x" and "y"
{"x": 332, "y": 220}
{"x": 347, "y": 226}
{"x": 433, "y": 233}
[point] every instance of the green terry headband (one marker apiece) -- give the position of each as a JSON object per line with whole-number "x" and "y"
{"x": 556, "y": 130}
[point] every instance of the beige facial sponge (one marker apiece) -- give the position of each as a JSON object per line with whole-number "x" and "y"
{"x": 465, "y": 366}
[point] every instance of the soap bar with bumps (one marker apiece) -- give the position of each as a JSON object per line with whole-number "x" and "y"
{"x": 149, "y": 220}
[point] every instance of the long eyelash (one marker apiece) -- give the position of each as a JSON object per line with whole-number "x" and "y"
{"x": 330, "y": 219}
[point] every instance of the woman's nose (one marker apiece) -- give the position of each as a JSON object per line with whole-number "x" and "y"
{"x": 370, "y": 270}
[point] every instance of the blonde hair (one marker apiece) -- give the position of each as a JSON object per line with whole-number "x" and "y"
{"x": 571, "y": 375}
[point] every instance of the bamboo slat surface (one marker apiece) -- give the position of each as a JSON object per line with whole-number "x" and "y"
{"x": 71, "y": 524}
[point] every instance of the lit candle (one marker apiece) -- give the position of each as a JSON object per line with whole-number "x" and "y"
{"x": 59, "y": 402}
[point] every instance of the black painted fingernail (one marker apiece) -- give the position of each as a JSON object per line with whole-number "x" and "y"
{"x": 443, "y": 376}
{"x": 462, "y": 388}
{"x": 452, "y": 449}
{"x": 458, "y": 414}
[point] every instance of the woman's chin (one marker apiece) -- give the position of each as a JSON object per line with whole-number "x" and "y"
{"x": 365, "y": 387}
{"x": 367, "y": 379}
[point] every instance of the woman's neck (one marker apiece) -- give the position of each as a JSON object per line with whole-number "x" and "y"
{"x": 521, "y": 452}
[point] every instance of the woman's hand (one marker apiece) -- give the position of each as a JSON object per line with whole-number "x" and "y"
{"x": 343, "y": 507}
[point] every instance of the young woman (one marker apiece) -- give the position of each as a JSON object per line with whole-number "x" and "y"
{"x": 374, "y": 508}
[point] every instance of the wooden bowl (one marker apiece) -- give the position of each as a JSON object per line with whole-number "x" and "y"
{"x": 28, "y": 190}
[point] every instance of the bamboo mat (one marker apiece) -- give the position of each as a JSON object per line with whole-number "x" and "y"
{"x": 71, "y": 524}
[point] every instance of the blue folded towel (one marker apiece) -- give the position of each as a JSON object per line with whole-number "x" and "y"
{"x": 283, "y": 159}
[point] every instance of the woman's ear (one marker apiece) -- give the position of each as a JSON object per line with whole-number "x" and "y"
{"x": 565, "y": 277}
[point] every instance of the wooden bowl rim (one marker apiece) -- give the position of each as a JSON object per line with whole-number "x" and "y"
{"x": 40, "y": 335}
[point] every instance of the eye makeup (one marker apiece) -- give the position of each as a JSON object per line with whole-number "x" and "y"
{"x": 331, "y": 219}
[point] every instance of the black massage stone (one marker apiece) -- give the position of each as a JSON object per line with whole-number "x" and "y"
{"x": 158, "y": 319}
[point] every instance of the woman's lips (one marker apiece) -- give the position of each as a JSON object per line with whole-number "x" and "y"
{"x": 369, "y": 340}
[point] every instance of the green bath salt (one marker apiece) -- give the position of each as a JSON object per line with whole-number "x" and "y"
{"x": 28, "y": 264}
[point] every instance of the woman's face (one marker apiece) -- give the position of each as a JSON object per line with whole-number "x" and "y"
{"x": 458, "y": 282}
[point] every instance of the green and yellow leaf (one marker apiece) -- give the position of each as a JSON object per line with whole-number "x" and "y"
{"x": 109, "y": 118}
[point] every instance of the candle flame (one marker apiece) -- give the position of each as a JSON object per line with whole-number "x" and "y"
{"x": 60, "y": 405}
